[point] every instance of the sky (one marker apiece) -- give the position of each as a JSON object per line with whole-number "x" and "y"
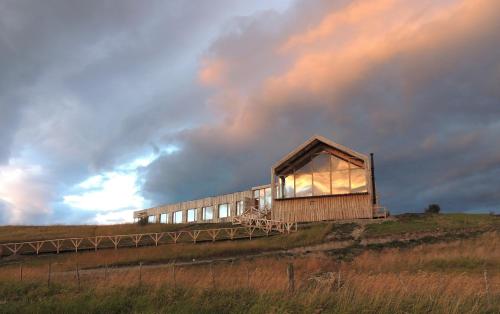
{"x": 107, "y": 107}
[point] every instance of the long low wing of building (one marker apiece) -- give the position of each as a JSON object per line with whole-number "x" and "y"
{"x": 319, "y": 180}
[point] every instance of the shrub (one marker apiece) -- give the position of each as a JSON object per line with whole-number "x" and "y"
{"x": 433, "y": 209}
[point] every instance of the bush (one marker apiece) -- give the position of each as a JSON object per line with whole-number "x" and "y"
{"x": 433, "y": 209}
{"x": 143, "y": 221}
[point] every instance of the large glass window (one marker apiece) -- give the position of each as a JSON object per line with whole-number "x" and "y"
{"x": 240, "y": 208}
{"x": 178, "y": 217}
{"x": 268, "y": 197}
{"x": 163, "y": 218}
{"x": 223, "y": 210}
{"x": 151, "y": 219}
{"x": 321, "y": 174}
{"x": 340, "y": 176}
{"x": 191, "y": 215}
{"x": 303, "y": 181}
{"x": 324, "y": 174}
{"x": 208, "y": 213}
{"x": 262, "y": 198}
{"x": 290, "y": 186}
{"x": 358, "y": 179}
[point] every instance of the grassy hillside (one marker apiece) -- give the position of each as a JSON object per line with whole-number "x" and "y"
{"x": 307, "y": 235}
{"x": 460, "y": 276}
{"x": 412, "y": 223}
{"x": 453, "y": 268}
{"x": 32, "y": 233}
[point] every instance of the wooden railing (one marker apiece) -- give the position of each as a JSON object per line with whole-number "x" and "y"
{"x": 131, "y": 240}
{"x": 266, "y": 225}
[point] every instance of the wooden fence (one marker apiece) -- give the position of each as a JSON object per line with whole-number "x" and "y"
{"x": 135, "y": 240}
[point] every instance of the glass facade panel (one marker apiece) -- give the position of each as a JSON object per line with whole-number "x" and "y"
{"x": 163, "y": 218}
{"x": 321, "y": 175}
{"x": 339, "y": 164}
{"x": 240, "y": 207}
{"x": 324, "y": 175}
{"x": 262, "y": 199}
{"x": 178, "y": 217}
{"x": 191, "y": 215}
{"x": 303, "y": 181}
{"x": 289, "y": 186}
{"x": 223, "y": 210}
{"x": 208, "y": 213}
{"x": 256, "y": 194}
{"x": 268, "y": 197}
{"x": 358, "y": 181}
{"x": 340, "y": 182}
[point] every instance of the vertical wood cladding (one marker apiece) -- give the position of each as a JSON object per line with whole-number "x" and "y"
{"x": 323, "y": 208}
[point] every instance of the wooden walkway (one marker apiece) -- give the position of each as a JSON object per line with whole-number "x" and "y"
{"x": 267, "y": 225}
{"x": 258, "y": 229}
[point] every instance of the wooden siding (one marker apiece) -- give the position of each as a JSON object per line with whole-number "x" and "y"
{"x": 320, "y": 208}
{"x": 213, "y": 202}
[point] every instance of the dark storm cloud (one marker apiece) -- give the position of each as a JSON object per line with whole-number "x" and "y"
{"x": 426, "y": 102}
{"x": 86, "y": 86}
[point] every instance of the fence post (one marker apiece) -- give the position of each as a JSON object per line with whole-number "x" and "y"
{"x": 48, "y": 277}
{"x": 291, "y": 277}
{"x": 486, "y": 286}
{"x": 21, "y": 272}
{"x": 140, "y": 273}
{"x": 173, "y": 275}
{"x": 212, "y": 275}
{"x": 248, "y": 277}
{"x": 78, "y": 276}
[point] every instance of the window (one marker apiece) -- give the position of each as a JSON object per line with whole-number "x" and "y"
{"x": 324, "y": 174}
{"x": 290, "y": 186}
{"x": 163, "y": 218}
{"x": 321, "y": 174}
{"x": 208, "y": 213}
{"x": 178, "y": 217}
{"x": 240, "y": 208}
{"x": 358, "y": 179}
{"x": 191, "y": 215}
{"x": 340, "y": 176}
{"x": 151, "y": 219}
{"x": 303, "y": 181}
{"x": 223, "y": 210}
{"x": 262, "y": 198}
{"x": 268, "y": 197}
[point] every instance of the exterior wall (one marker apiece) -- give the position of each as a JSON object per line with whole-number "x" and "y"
{"x": 198, "y": 204}
{"x": 331, "y": 207}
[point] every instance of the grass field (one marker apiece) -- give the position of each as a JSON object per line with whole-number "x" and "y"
{"x": 427, "y": 278}
{"x": 410, "y": 223}
{"x": 453, "y": 275}
{"x": 307, "y": 235}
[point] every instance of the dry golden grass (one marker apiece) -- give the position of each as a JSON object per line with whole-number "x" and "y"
{"x": 33, "y": 233}
{"x": 396, "y": 270}
{"x": 387, "y": 281}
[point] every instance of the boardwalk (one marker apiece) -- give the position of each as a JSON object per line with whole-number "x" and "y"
{"x": 57, "y": 246}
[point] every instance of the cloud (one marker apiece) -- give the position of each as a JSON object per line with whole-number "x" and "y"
{"x": 24, "y": 193}
{"x": 87, "y": 87}
{"x": 412, "y": 82}
{"x": 217, "y": 91}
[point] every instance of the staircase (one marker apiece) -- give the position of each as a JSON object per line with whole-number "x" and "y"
{"x": 261, "y": 218}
